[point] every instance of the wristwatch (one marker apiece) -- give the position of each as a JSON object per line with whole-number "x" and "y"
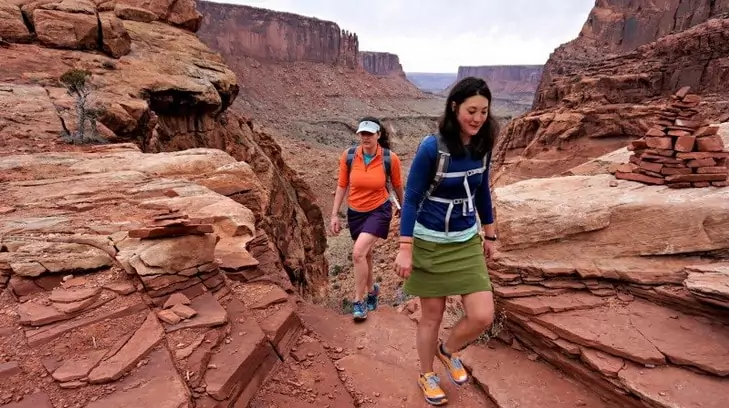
{"x": 490, "y": 238}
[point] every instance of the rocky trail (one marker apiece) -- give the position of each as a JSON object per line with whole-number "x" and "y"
{"x": 182, "y": 265}
{"x": 134, "y": 279}
{"x": 131, "y": 279}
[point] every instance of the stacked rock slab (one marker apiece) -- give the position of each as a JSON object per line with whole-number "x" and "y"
{"x": 681, "y": 150}
{"x": 163, "y": 277}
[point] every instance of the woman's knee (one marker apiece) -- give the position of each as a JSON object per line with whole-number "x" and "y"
{"x": 362, "y": 247}
{"x": 479, "y": 309}
{"x": 481, "y": 317}
{"x": 432, "y": 311}
{"x": 359, "y": 254}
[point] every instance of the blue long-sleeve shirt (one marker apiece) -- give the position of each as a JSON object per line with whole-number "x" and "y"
{"x": 428, "y": 221}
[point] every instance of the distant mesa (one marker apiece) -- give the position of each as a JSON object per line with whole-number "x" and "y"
{"x": 432, "y": 82}
{"x": 238, "y": 30}
{"x": 380, "y": 63}
{"x": 275, "y": 36}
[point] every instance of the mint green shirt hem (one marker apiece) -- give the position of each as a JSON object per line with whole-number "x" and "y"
{"x": 440, "y": 237}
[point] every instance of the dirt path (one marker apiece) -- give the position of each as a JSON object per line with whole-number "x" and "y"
{"x": 374, "y": 364}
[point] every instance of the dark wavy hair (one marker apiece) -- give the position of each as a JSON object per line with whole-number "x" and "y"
{"x": 481, "y": 143}
{"x": 384, "y": 139}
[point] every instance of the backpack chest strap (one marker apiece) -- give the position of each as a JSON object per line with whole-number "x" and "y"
{"x": 467, "y": 173}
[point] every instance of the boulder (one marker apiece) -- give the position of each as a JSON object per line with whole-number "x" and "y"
{"x": 618, "y": 283}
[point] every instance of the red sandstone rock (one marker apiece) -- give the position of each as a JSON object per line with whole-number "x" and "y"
{"x": 8, "y": 369}
{"x": 143, "y": 340}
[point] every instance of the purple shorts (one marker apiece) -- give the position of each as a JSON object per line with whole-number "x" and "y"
{"x": 375, "y": 222}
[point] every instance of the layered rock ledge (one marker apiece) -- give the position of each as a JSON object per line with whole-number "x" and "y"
{"x": 132, "y": 280}
{"x": 619, "y": 284}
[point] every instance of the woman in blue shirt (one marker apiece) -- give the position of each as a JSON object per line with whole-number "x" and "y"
{"x": 441, "y": 251}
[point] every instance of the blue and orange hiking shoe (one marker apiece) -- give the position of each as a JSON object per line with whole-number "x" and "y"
{"x": 453, "y": 365}
{"x": 372, "y": 298}
{"x": 359, "y": 311}
{"x": 430, "y": 384}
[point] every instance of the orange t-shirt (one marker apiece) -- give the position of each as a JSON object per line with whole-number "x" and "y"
{"x": 367, "y": 189}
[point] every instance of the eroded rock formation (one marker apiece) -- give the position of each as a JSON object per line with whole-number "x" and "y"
{"x": 276, "y": 36}
{"x": 144, "y": 265}
{"x": 381, "y": 63}
{"x": 598, "y": 91}
{"x": 170, "y": 93}
{"x": 621, "y": 284}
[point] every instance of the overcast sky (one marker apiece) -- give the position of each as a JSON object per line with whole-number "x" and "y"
{"x": 440, "y": 35}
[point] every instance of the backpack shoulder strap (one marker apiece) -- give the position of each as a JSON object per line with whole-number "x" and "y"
{"x": 441, "y": 165}
{"x": 387, "y": 160}
{"x": 350, "y": 157}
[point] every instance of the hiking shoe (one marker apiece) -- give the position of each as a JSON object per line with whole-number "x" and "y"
{"x": 453, "y": 365}
{"x": 372, "y": 298}
{"x": 359, "y": 311}
{"x": 430, "y": 384}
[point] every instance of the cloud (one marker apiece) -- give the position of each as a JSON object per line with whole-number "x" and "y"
{"x": 440, "y": 35}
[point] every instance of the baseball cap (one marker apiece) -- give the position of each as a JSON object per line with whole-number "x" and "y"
{"x": 368, "y": 126}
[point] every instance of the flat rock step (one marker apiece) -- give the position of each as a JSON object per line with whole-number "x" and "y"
{"x": 380, "y": 384}
{"x": 645, "y": 333}
{"x": 602, "y": 347}
{"x": 513, "y": 380}
{"x": 378, "y": 359}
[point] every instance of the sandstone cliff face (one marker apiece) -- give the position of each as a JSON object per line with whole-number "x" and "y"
{"x": 162, "y": 89}
{"x": 381, "y": 63}
{"x": 506, "y": 80}
{"x": 512, "y": 86}
{"x": 622, "y": 25}
{"x": 276, "y": 36}
{"x": 605, "y": 83}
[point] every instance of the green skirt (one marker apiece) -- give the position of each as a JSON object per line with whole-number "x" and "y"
{"x": 448, "y": 269}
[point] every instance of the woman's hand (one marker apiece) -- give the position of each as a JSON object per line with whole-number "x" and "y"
{"x": 334, "y": 225}
{"x": 404, "y": 261}
{"x": 488, "y": 248}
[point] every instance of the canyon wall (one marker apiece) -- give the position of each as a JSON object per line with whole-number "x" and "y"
{"x": 506, "y": 80}
{"x": 380, "y": 63}
{"x": 276, "y": 36}
{"x": 297, "y": 71}
{"x": 618, "y": 28}
{"x": 601, "y": 90}
{"x": 512, "y": 86}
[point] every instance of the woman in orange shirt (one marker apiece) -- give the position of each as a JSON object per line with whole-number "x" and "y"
{"x": 369, "y": 209}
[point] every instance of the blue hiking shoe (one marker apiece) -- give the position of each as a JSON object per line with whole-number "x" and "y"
{"x": 372, "y": 298}
{"x": 359, "y": 311}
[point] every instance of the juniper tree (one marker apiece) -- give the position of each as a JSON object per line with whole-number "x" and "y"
{"x": 77, "y": 84}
